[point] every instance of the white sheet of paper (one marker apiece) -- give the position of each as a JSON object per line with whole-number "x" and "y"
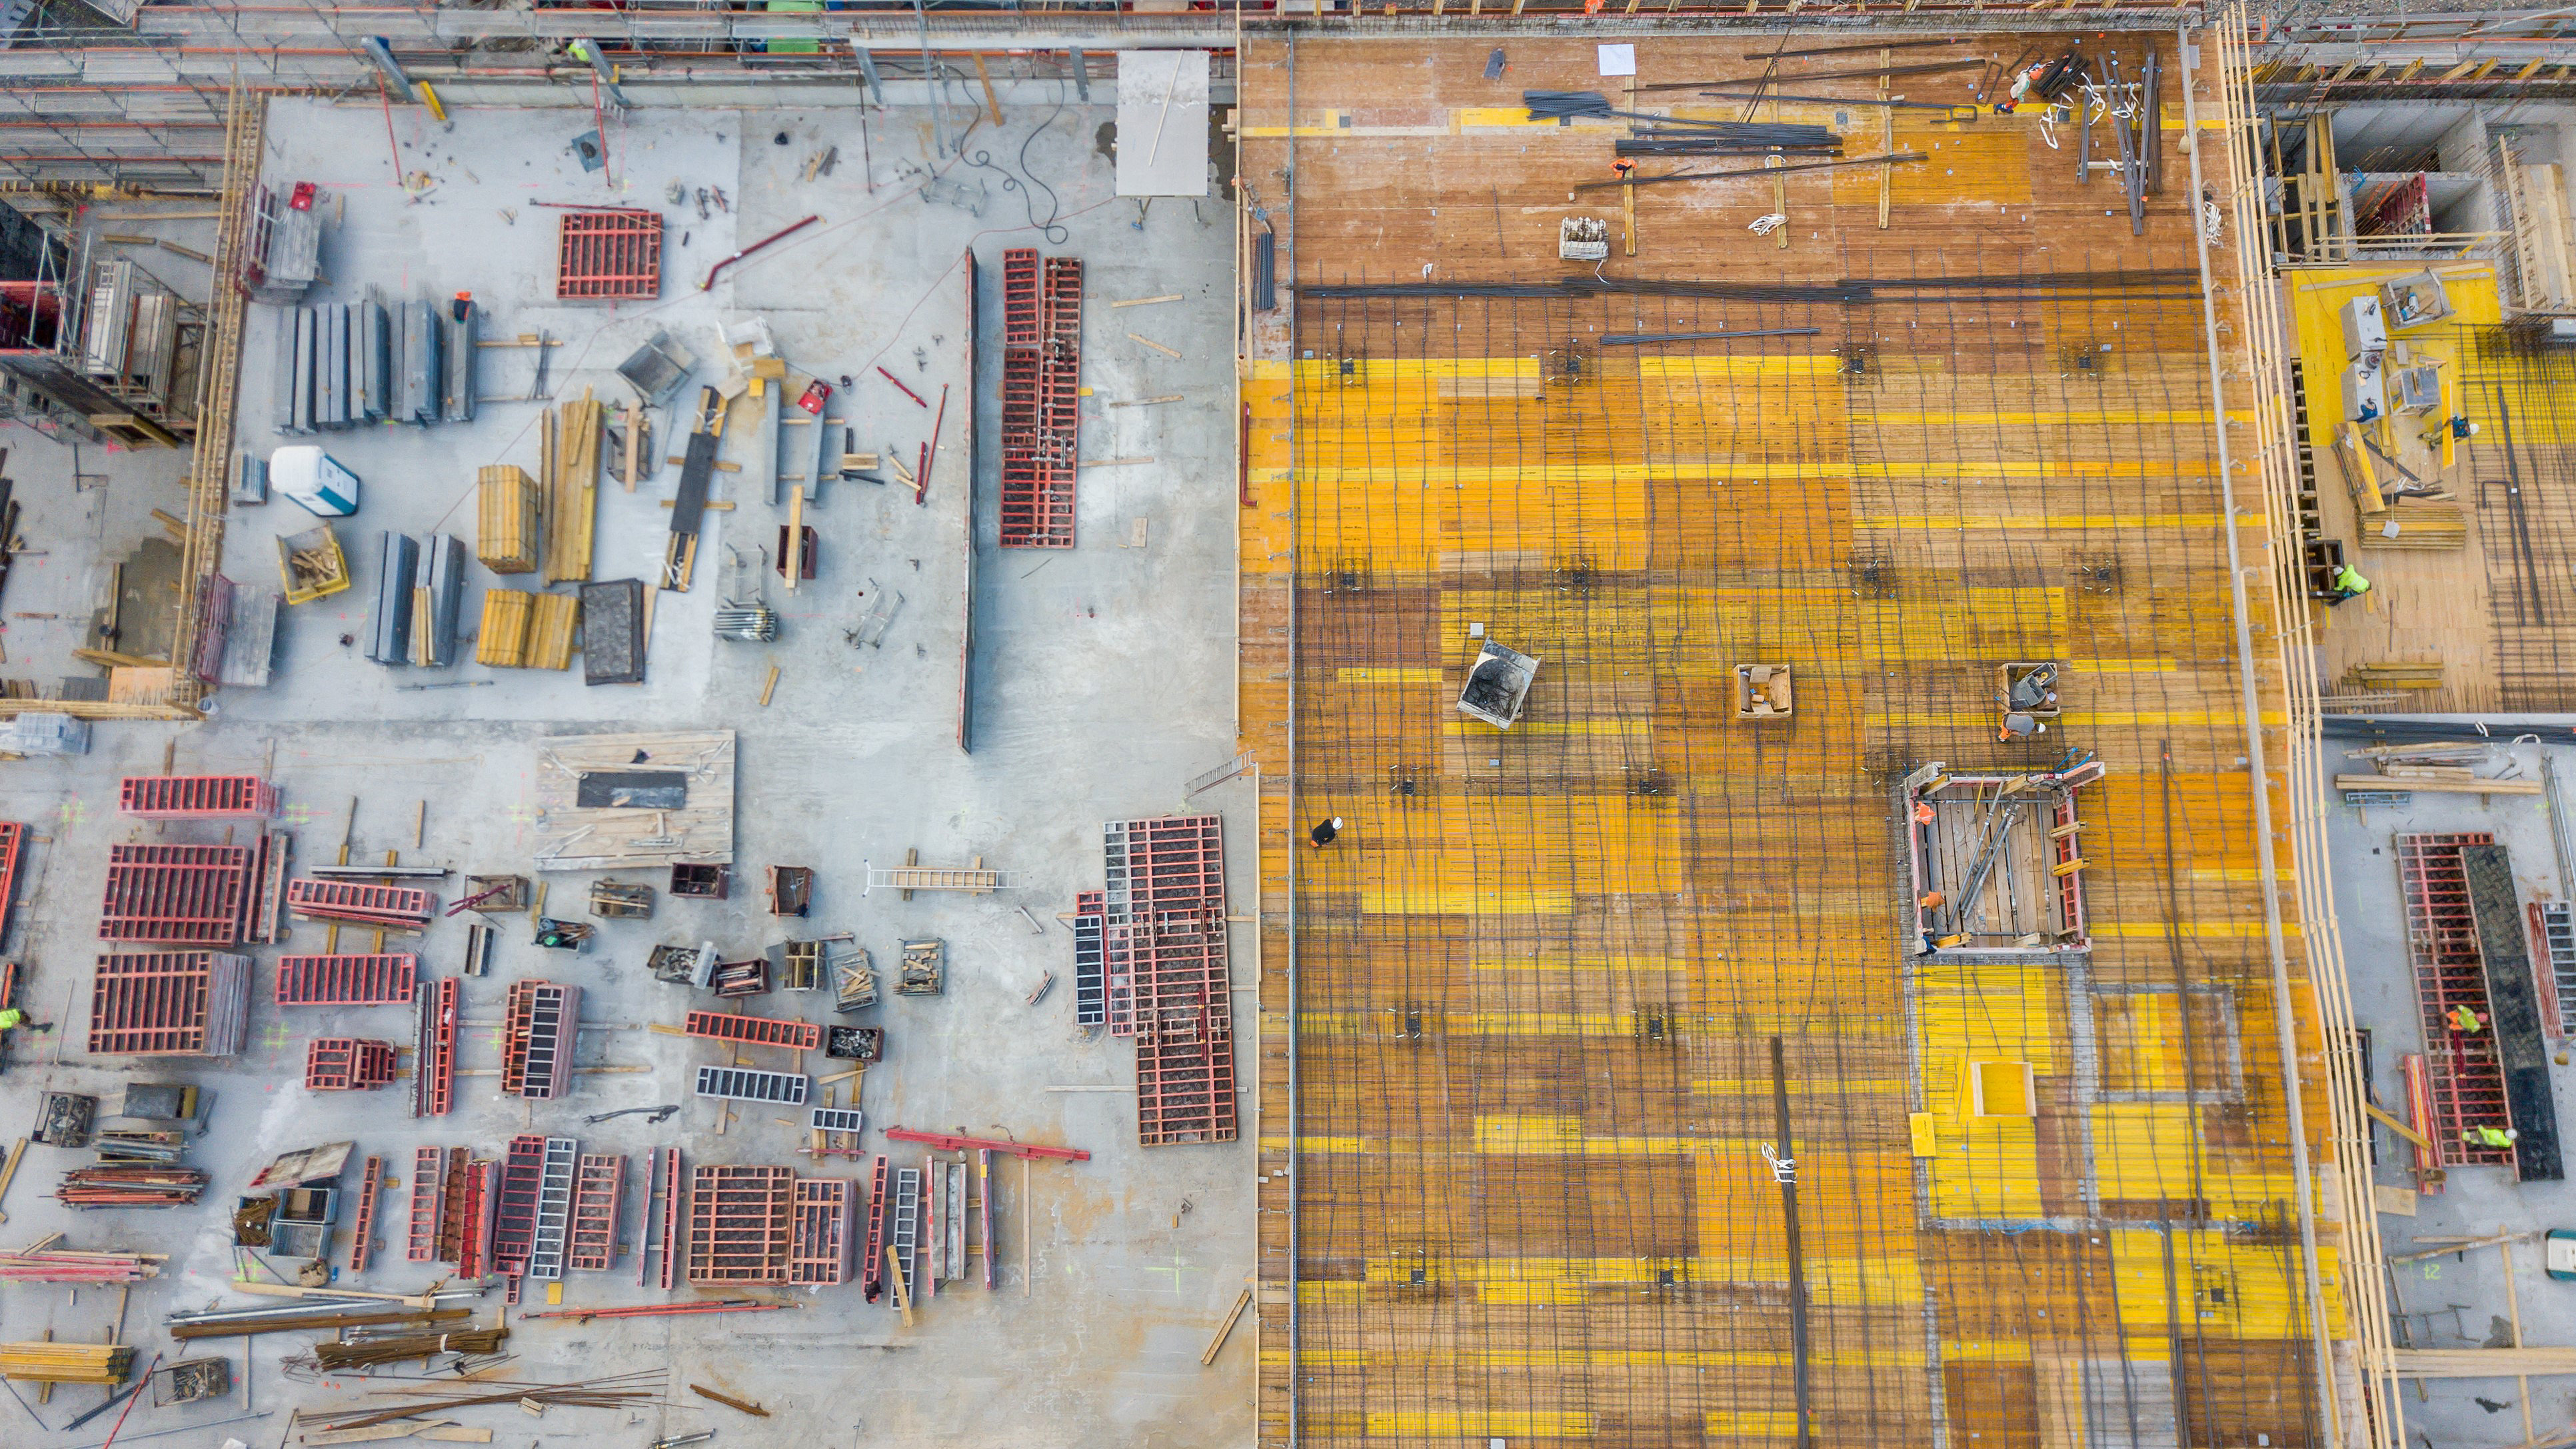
{"x": 1618, "y": 60}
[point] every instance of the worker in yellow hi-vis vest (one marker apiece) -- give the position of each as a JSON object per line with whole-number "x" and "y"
{"x": 2489, "y": 1136}
{"x": 11, "y": 1017}
{"x": 2465, "y": 1021}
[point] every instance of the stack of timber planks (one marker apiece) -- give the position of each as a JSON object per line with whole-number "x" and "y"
{"x": 2395, "y": 674}
{"x": 523, "y": 630}
{"x": 571, "y": 489}
{"x": 508, "y": 522}
{"x": 67, "y": 1363}
{"x": 2418, "y": 525}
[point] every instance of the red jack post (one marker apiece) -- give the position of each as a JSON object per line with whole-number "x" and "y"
{"x": 899, "y": 387}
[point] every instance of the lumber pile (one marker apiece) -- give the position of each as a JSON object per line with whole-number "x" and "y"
{"x": 2417, "y": 526}
{"x": 523, "y": 630}
{"x": 395, "y": 1348}
{"x": 131, "y": 1184}
{"x": 508, "y": 523}
{"x": 2437, "y": 786}
{"x": 67, "y": 1363}
{"x": 572, "y": 490}
{"x": 2482, "y": 1363}
{"x": 2395, "y": 674}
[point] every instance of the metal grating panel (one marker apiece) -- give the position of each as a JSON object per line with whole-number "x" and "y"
{"x": 741, "y": 1085}
{"x": 1090, "y": 984}
{"x": 836, "y": 1119}
{"x": 554, "y": 1210}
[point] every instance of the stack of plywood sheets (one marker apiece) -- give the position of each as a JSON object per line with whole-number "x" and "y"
{"x": 523, "y": 630}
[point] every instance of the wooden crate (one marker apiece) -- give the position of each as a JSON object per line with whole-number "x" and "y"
{"x": 550, "y": 631}
{"x": 508, "y": 525}
{"x": 503, "y": 643}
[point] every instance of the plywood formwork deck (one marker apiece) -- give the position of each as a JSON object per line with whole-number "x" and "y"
{"x": 1539, "y": 977}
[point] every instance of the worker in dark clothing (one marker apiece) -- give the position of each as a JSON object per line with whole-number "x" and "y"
{"x": 2020, "y": 726}
{"x": 1325, "y": 831}
{"x": 2348, "y": 584}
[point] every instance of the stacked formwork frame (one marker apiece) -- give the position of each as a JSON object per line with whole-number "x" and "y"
{"x": 170, "y": 1003}
{"x": 453, "y": 1205}
{"x": 539, "y": 1023}
{"x": 196, "y": 797}
{"x": 1041, "y": 397}
{"x": 872, "y": 1262}
{"x": 597, "y": 1185}
{"x": 434, "y": 1064}
{"x": 739, "y": 1224}
{"x": 478, "y": 1223}
{"x": 347, "y": 1064}
{"x": 2464, "y": 1078}
{"x": 176, "y": 895}
{"x": 662, "y": 1210}
{"x": 826, "y": 1242}
{"x": 392, "y": 908}
{"x": 1165, "y": 902}
{"x": 609, "y": 255}
{"x": 347, "y": 980}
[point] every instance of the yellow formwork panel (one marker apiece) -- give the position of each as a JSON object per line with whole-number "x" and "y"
{"x": 2219, "y": 1285}
{"x": 1985, "y": 1166}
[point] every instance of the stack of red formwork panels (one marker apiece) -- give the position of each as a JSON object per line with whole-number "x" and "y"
{"x": 514, "y": 1216}
{"x": 539, "y": 1020}
{"x": 598, "y": 1180}
{"x": 348, "y": 980}
{"x": 170, "y": 1003}
{"x": 261, "y": 923}
{"x": 872, "y": 1260}
{"x": 609, "y": 255}
{"x": 796, "y": 1036}
{"x": 395, "y": 908}
{"x": 176, "y": 895}
{"x": 1041, "y": 397}
{"x": 196, "y": 797}
{"x": 1172, "y": 905}
{"x": 434, "y": 1063}
{"x": 476, "y": 1220}
{"x": 428, "y": 1183}
{"x": 347, "y": 1064}
{"x": 826, "y": 1241}
{"x": 738, "y": 1224}
{"x": 659, "y": 1246}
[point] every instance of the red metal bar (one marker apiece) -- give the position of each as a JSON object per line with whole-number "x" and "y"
{"x": 669, "y": 1310}
{"x": 196, "y": 797}
{"x": 803, "y": 1036}
{"x": 764, "y": 243}
{"x": 428, "y": 1177}
{"x": 984, "y": 1207}
{"x": 352, "y": 980}
{"x": 951, "y": 1142}
{"x": 362, "y": 1232}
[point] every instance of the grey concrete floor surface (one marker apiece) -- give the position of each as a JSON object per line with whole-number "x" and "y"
{"x": 2370, "y": 908}
{"x": 1102, "y": 679}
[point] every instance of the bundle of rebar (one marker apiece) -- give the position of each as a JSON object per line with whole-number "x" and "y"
{"x": 618, "y": 1391}
{"x": 67, "y": 1363}
{"x": 396, "y": 1347}
{"x": 227, "y": 1326}
{"x": 131, "y": 1184}
{"x": 1730, "y": 138}
{"x": 64, "y": 1265}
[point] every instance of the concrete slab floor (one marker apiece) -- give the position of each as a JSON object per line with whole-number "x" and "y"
{"x": 2476, "y": 1201}
{"x": 1102, "y": 679}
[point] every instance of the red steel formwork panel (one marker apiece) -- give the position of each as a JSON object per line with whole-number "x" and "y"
{"x": 196, "y": 797}
{"x": 738, "y": 1224}
{"x": 826, "y": 1244}
{"x": 170, "y": 1003}
{"x": 396, "y": 908}
{"x": 347, "y": 1064}
{"x": 1019, "y": 297}
{"x": 539, "y": 1021}
{"x": 347, "y": 980}
{"x": 362, "y": 1233}
{"x": 514, "y": 1213}
{"x": 434, "y": 1062}
{"x": 477, "y": 1222}
{"x": 609, "y": 256}
{"x": 1090, "y": 980}
{"x": 178, "y": 895}
{"x": 13, "y": 845}
{"x": 803, "y": 1036}
{"x": 1185, "y": 1089}
{"x": 664, "y": 1183}
{"x": 428, "y": 1209}
{"x": 872, "y": 1261}
{"x": 597, "y": 1183}
{"x": 2463, "y": 1076}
